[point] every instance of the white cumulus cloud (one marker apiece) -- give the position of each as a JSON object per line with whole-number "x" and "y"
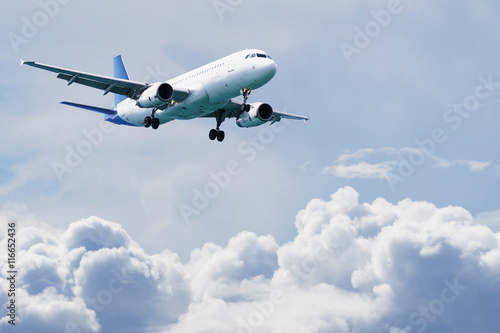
{"x": 352, "y": 267}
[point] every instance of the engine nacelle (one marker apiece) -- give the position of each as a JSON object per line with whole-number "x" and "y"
{"x": 259, "y": 114}
{"x": 156, "y": 95}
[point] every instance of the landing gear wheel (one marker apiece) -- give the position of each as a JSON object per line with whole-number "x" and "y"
{"x": 220, "y": 136}
{"x": 212, "y": 135}
{"x": 147, "y": 121}
{"x": 216, "y": 133}
{"x": 155, "y": 122}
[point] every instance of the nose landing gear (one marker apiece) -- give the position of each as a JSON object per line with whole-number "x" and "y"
{"x": 245, "y": 106}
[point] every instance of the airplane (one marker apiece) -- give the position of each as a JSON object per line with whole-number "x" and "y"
{"x": 204, "y": 92}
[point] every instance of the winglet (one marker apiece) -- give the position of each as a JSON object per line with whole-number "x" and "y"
{"x": 22, "y": 63}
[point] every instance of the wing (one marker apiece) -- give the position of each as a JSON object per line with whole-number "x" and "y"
{"x": 131, "y": 89}
{"x": 233, "y": 109}
{"x": 278, "y": 115}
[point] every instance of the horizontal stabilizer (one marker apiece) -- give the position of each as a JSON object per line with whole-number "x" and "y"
{"x": 285, "y": 115}
{"x": 91, "y": 108}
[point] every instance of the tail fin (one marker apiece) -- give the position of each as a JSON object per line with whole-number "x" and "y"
{"x": 120, "y": 73}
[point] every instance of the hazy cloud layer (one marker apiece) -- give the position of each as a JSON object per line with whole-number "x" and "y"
{"x": 386, "y": 163}
{"x": 352, "y": 267}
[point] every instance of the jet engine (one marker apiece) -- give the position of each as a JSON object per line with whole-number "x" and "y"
{"x": 156, "y": 95}
{"x": 258, "y": 114}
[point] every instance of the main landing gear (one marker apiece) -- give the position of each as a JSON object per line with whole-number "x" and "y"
{"x": 245, "y": 106}
{"x": 220, "y": 115}
{"x": 217, "y": 133}
{"x": 152, "y": 121}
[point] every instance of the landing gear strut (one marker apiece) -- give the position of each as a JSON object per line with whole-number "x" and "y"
{"x": 217, "y": 133}
{"x": 245, "y": 106}
{"x": 152, "y": 121}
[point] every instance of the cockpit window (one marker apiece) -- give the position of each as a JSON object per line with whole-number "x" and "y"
{"x": 259, "y": 55}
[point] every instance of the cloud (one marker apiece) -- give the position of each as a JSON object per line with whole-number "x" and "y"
{"x": 357, "y": 155}
{"x": 352, "y": 267}
{"x": 213, "y": 269}
{"x": 362, "y": 170}
{"x": 384, "y": 163}
{"x": 93, "y": 277}
{"x": 474, "y": 166}
{"x": 490, "y": 219}
{"x": 51, "y": 311}
{"x": 94, "y": 234}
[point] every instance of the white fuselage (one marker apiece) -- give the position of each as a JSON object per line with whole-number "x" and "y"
{"x": 211, "y": 87}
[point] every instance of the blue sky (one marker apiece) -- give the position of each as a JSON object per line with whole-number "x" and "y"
{"x": 403, "y": 98}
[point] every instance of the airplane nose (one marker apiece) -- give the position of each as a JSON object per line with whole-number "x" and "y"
{"x": 271, "y": 68}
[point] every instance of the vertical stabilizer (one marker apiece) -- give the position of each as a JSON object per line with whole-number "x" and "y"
{"x": 120, "y": 73}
